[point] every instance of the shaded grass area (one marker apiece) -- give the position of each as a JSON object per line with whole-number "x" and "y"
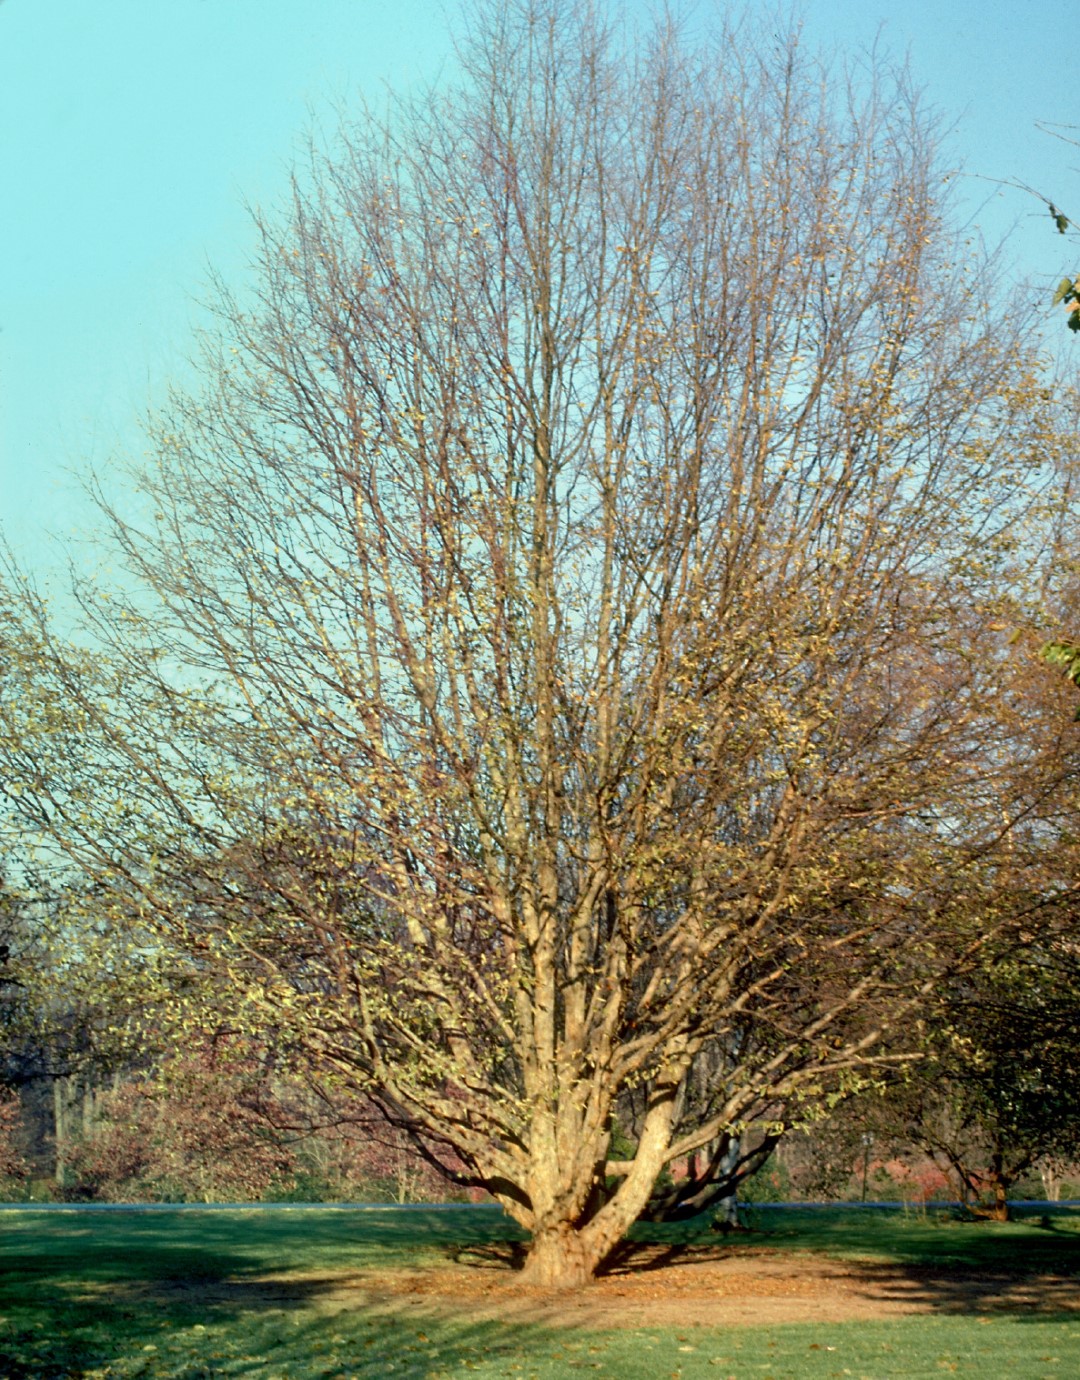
{"x": 185, "y": 1296}
{"x": 175, "y": 1293}
{"x": 303, "y": 1348}
{"x": 1036, "y": 1242}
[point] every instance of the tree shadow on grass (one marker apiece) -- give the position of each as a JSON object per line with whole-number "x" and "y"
{"x": 501, "y": 1256}
{"x": 1024, "y": 1294}
{"x": 634, "y": 1257}
{"x": 64, "y": 1316}
{"x": 191, "y": 1309}
{"x": 1027, "y": 1276}
{"x": 180, "y": 1303}
{"x": 194, "y": 1327}
{"x": 923, "y": 1237}
{"x": 90, "y": 1315}
{"x": 372, "y": 1344}
{"x": 117, "y": 1291}
{"x": 646, "y": 1257}
{"x": 1033, "y": 1273}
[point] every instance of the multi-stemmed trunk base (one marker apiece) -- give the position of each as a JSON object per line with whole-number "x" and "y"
{"x": 559, "y": 1258}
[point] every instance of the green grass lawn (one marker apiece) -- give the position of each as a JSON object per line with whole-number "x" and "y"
{"x": 1035, "y": 1241}
{"x": 183, "y": 1294}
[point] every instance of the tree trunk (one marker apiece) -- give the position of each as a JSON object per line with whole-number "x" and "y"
{"x": 1051, "y": 1181}
{"x": 563, "y": 1256}
{"x": 559, "y": 1258}
{"x": 726, "y": 1214}
{"x": 60, "y": 1130}
{"x": 999, "y": 1211}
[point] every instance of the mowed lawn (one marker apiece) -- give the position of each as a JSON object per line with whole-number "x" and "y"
{"x": 281, "y": 1294}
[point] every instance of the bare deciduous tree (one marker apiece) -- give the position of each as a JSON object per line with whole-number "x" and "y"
{"x": 557, "y": 664}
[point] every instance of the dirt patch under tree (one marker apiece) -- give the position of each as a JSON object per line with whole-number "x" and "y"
{"x": 705, "y": 1286}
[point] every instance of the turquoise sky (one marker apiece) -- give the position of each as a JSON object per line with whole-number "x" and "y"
{"x": 131, "y": 131}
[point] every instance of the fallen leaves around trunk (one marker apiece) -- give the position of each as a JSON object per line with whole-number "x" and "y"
{"x": 716, "y": 1287}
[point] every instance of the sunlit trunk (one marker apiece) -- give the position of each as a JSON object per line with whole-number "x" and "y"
{"x": 559, "y": 1258}
{"x": 1000, "y": 1210}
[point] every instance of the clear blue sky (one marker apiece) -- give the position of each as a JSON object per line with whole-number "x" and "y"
{"x": 131, "y": 131}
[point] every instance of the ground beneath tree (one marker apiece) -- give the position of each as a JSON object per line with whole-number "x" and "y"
{"x": 708, "y": 1286}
